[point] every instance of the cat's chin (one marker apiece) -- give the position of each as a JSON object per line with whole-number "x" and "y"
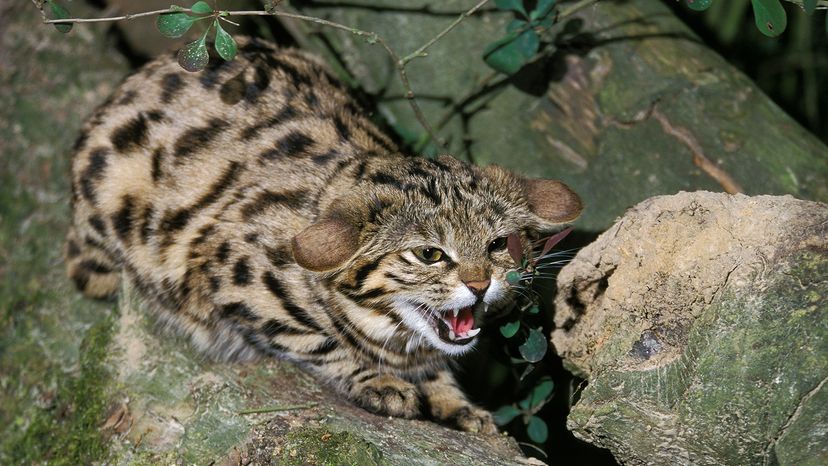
{"x": 450, "y": 331}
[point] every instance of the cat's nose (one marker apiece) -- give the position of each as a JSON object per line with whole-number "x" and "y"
{"x": 478, "y": 287}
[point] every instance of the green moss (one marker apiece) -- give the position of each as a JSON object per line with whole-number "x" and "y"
{"x": 319, "y": 446}
{"x": 68, "y": 432}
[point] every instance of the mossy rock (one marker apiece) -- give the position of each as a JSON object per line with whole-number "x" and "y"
{"x": 700, "y": 321}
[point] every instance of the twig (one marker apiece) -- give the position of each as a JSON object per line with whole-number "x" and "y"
{"x": 421, "y": 52}
{"x": 576, "y": 8}
{"x": 274, "y": 409}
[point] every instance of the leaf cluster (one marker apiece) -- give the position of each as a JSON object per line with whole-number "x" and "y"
{"x": 194, "y": 56}
{"x": 533, "y": 345}
{"x": 769, "y": 15}
{"x": 520, "y": 44}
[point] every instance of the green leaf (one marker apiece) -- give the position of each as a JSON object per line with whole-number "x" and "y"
{"x": 513, "y": 5}
{"x": 201, "y": 8}
{"x": 810, "y": 6}
{"x": 58, "y": 12}
{"x": 534, "y": 309}
{"x": 174, "y": 25}
{"x": 539, "y": 395}
{"x": 225, "y": 44}
{"x": 509, "y": 329}
{"x": 194, "y": 57}
{"x": 770, "y": 17}
{"x": 537, "y": 430}
{"x": 505, "y": 414}
{"x": 699, "y": 5}
{"x": 542, "y": 10}
{"x": 513, "y": 277}
{"x": 511, "y": 52}
{"x": 535, "y": 346}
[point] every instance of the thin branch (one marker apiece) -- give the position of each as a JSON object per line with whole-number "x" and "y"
{"x": 274, "y": 409}
{"x": 126, "y": 17}
{"x": 421, "y": 52}
{"x": 576, "y": 8}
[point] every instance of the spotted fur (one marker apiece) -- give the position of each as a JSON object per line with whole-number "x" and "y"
{"x": 264, "y": 214}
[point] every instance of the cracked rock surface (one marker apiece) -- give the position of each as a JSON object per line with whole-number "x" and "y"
{"x": 700, "y": 321}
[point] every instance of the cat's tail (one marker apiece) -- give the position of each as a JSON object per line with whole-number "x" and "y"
{"x": 90, "y": 267}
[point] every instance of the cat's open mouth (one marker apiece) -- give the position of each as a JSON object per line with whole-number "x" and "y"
{"x": 456, "y": 326}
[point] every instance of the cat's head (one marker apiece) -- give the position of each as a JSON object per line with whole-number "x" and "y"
{"x": 424, "y": 242}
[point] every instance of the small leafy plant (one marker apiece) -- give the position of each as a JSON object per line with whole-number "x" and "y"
{"x": 769, "y": 15}
{"x": 194, "y": 55}
{"x": 520, "y": 44}
{"x": 533, "y": 344}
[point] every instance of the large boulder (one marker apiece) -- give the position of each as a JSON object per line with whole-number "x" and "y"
{"x": 700, "y": 321}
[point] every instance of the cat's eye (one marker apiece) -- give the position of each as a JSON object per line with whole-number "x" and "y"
{"x": 428, "y": 255}
{"x": 498, "y": 244}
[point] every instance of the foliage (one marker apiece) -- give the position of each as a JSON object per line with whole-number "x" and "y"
{"x": 530, "y": 338}
{"x": 520, "y": 44}
{"x": 194, "y": 55}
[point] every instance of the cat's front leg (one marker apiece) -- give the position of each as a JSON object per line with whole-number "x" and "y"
{"x": 382, "y": 394}
{"x": 386, "y": 394}
{"x": 448, "y": 405}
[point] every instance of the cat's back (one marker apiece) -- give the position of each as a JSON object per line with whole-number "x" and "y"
{"x": 172, "y": 152}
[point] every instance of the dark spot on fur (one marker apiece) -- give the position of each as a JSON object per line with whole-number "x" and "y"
{"x": 195, "y": 139}
{"x": 291, "y": 199}
{"x": 285, "y": 114}
{"x": 279, "y": 256}
{"x": 223, "y": 252}
{"x": 323, "y": 159}
{"x": 241, "y": 272}
{"x": 132, "y": 134}
{"x": 251, "y": 237}
{"x": 122, "y": 219}
{"x": 171, "y": 83}
{"x": 341, "y": 128}
{"x": 93, "y": 172}
{"x": 215, "y": 283}
{"x": 95, "y": 267}
{"x": 328, "y": 345}
{"x": 127, "y": 98}
{"x": 97, "y": 224}
{"x": 311, "y": 100}
{"x": 146, "y": 226}
{"x": 291, "y": 145}
{"x": 72, "y": 249}
{"x": 239, "y": 310}
{"x": 157, "y": 159}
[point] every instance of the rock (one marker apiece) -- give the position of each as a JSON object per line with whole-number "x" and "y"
{"x": 175, "y": 407}
{"x": 700, "y": 321}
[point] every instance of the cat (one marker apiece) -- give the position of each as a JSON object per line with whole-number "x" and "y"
{"x": 262, "y": 213}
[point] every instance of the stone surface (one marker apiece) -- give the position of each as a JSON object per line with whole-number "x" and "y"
{"x": 700, "y": 321}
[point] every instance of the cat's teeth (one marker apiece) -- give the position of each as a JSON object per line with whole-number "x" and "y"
{"x": 472, "y": 333}
{"x": 452, "y": 336}
{"x": 485, "y": 307}
{"x": 456, "y": 311}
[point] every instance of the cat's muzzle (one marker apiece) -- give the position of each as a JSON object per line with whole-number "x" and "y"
{"x": 457, "y": 326}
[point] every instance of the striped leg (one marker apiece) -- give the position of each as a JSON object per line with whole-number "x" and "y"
{"x": 448, "y": 405}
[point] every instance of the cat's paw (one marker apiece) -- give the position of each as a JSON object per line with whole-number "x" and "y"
{"x": 388, "y": 395}
{"x": 472, "y": 419}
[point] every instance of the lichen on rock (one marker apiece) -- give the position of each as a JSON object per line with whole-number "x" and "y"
{"x": 701, "y": 323}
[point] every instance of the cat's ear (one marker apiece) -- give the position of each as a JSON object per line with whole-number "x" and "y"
{"x": 551, "y": 200}
{"x": 326, "y": 244}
